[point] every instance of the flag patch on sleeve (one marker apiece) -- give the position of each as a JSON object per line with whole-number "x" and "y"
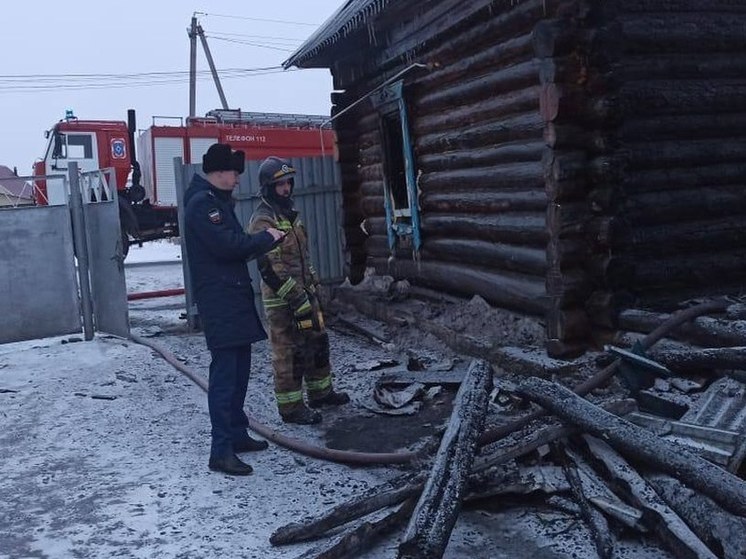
{"x": 215, "y": 216}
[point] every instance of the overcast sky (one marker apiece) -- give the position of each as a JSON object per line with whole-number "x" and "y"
{"x": 138, "y": 36}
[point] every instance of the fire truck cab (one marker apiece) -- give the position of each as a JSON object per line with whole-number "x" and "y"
{"x": 88, "y": 143}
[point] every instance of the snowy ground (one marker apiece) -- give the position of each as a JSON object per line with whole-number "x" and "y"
{"x": 105, "y": 447}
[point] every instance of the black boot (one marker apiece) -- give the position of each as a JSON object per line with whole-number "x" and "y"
{"x": 331, "y": 399}
{"x": 230, "y": 465}
{"x": 249, "y": 445}
{"x": 302, "y": 416}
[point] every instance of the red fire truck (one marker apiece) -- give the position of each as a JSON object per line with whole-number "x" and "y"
{"x": 146, "y": 184}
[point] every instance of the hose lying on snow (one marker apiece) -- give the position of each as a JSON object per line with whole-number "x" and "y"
{"x": 155, "y": 294}
{"x": 342, "y": 456}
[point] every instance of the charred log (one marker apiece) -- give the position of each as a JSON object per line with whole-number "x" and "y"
{"x": 388, "y": 494}
{"x": 435, "y": 514}
{"x": 465, "y": 159}
{"x": 726, "y": 489}
{"x": 685, "y": 153}
{"x": 360, "y": 539}
{"x": 659, "y": 98}
{"x": 526, "y": 229}
{"x": 511, "y": 78}
{"x": 518, "y": 481}
{"x": 681, "y": 66}
{"x": 503, "y": 53}
{"x": 484, "y": 201}
{"x": 500, "y": 256}
{"x": 526, "y": 126}
{"x": 520, "y": 175}
{"x": 691, "y": 205}
{"x": 722, "y": 532}
{"x": 603, "y": 498}
{"x": 677, "y": 535}
{"x": 692, "y": 33}
{"x": 695, "y": 269}
{"x": 492, "y": 457}
{"x": 507, "y": 289}
{"x": 680, "y": 238}
{"x": 702, "y": 360}
{"x": 595, "y": 521}
{"x": 676, "y": 127}
{"x": 448, "y": 119}
{"x": 678, "y": 179}
{"x": 703, "y": 331}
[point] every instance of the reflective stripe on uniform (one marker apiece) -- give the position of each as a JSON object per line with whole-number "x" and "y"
{"x": 289, "y": 397}
{"x": 319, "y": 385}
{"x": 286, "y": 287}
{"x": 304, "y": 308}
{"x": 274, "y": 302}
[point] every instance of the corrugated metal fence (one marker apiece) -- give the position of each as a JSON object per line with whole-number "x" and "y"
{"x": 318, "y": 197}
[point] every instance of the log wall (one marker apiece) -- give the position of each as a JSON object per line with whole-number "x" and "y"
{"x": 480, "y": 158}
{"x": 669, "y": 183}
{"x": 573, "y": 156}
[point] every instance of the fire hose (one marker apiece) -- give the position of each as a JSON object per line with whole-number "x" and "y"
{"x": 489, "y": 436}
{"x": 155, "y": 294}
{"x": 333, "y": 455}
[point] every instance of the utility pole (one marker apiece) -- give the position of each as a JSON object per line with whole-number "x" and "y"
{"x": 214, "y": 71}
{"x": 192, "y": 32}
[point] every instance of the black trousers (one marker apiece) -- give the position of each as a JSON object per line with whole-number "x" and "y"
{"x": 229, "y": 378}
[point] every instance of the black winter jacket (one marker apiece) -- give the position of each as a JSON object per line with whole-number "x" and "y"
{"x": 218, "y": 250}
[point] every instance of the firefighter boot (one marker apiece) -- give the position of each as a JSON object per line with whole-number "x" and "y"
{"x": 331, "y": 399}
{"x": 301, "y": 415}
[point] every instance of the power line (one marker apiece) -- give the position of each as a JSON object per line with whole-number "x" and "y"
{"x": 129, "y": 75}
{"x": 284, "y": 39}
{"x": 258, "y": 19}
{"x": 252, "y": 44}
{"x": 26, "y": 88}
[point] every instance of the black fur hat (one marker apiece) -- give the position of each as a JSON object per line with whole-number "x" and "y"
{"x": 220, "y": 157}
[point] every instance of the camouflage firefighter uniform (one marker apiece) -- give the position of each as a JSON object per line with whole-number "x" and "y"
{"x": 300, "y": 344}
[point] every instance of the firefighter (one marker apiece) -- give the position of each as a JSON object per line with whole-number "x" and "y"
{"x": 300, "y": 344}
{"x": 218, "y": 250}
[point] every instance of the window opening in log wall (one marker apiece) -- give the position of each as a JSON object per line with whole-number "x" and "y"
{"x": 399, "y": 181}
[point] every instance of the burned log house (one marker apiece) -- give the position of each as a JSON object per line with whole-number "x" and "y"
{"x": 561, "y": 158}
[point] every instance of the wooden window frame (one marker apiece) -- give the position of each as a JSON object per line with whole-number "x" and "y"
{"x": 389, "y": 102}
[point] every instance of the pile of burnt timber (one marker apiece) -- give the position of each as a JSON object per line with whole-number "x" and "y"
{"x": 622, "y": 476}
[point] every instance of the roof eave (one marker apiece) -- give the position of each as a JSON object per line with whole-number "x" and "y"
{"x": 347, "y": 19}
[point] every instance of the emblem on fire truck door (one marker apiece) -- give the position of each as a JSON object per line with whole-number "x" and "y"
{"x": 118, "y": 148}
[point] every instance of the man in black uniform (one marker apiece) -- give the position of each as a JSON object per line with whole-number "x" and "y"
{"x": 218, "y": 251}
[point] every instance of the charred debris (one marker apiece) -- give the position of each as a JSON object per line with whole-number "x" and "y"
{"x": 646, "y": 438}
